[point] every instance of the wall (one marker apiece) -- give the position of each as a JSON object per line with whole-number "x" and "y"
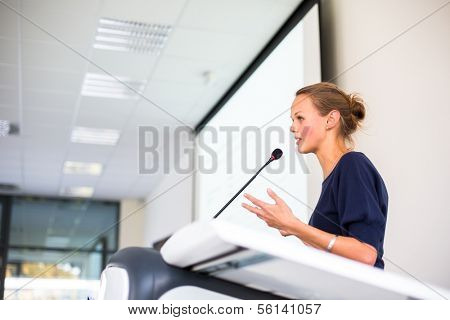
{"x": 169, "y": 206}
{"x": 404, "y": 77}
{"x": 132, "y": 223}
{"x": 164, "y": 211}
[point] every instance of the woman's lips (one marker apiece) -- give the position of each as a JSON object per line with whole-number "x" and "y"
{"x": 298, "y": 140}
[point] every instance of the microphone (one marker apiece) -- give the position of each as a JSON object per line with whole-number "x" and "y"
{"x": 276, "y": 154}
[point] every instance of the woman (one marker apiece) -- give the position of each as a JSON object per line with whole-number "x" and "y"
{"x": 350, "y": 217}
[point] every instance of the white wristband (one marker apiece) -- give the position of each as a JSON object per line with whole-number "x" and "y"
{"x": 331, "y": 243}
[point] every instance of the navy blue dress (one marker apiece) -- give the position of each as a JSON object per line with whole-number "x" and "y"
{"x": 354, "y": 202}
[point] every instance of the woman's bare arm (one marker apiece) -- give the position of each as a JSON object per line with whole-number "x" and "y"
{"x": 344, "y": 246}
{"x": 309, "y": 244}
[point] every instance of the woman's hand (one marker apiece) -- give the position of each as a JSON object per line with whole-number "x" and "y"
{"x": 277, "y": 215}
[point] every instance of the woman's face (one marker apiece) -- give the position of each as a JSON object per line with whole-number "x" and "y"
{"x": 308, "y": 125}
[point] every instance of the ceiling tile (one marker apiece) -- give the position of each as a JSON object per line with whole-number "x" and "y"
{"x": 9, "y": 159}
{"x": 89, "y": 152}
{"x": 208, "y": 99}
{"x": 9, "y": 113}
{"x": 128, "y": 139}
{"x": 48, "y": 117}
{"x": 44, "y": 79}
{"x": 184, "y": 70}
{"x": 120, "y": 166}
{"x": 36, "y": 185}
{"x": 9, "y": 52}
{"x": 110, "y": 194}
{"x": 132, "y": 65}
{"x": 36, "y": 160}
{"x": 43, "y": 150}
{"x": 115, "y": 187}
{"x": 172, "y": 97}
{"x": 64, "y": 27}
{"x": 73, "y": 7}
{"x": 44, "y": 168}
{"x": 250, "y": 17}
{"x": 215, "y": 46}
{"x": 148, "y": 114}
{"x": 150, "y": 11}
{"x": 117, "y": 107}
{"x": 8, "y": 21}
{"x": 8, "y": 96}
{"x": 100, "y": 119}
{"x": 52, "y": 56}
{"x": 37, "y": 133}
{"x": 36, "y": 166}
{"x": 10, "y": 142}
{"x": 11, "y": 177}
{"x": 44, "y": 177}
{"x": 73, "y": 180}
{"x": 49, "y": 99}
{"x": 8, "y": 75}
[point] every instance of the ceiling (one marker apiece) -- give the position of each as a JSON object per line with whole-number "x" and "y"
{"x": 46, "y": 54}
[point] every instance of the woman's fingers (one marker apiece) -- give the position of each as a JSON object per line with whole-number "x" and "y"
{"x": 252, "y": 209}
{"x": 274, "y": 196}
{"x": 255, "y": 201}
{"x": 256, "y": 211}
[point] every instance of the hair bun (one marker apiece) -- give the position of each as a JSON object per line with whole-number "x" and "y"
{"x": 357, "y": 106}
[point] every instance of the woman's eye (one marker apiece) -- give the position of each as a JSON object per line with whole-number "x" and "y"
{"x": 300, "y": 118}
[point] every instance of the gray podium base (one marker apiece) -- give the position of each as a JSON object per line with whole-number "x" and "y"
{"x": 150, "y": 277}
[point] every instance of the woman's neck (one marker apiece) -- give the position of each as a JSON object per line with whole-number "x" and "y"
{"x": 329, "y": 154}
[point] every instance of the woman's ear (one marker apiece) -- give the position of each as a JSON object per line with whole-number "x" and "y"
{"x": 332, "y": 119}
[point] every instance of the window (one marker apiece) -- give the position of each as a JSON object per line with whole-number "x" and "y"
{"x": 57, "y": 248}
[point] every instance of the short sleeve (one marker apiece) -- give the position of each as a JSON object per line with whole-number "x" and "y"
{"x": 358, "y": 207}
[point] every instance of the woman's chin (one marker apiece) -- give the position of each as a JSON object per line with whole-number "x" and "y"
{"x": 303, "y": 149}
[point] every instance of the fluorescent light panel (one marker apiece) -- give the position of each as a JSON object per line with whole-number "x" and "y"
{"x": 105, "y": 86}
{"x": 88, "y": 168}
{"x": 4, "y": 128}
{"x": 82, "y": 192}
{"x": 131, "y": 36}
{"x": 107, "y": 137}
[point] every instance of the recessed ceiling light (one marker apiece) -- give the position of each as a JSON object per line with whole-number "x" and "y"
{"x": 105, "y": 86}
{"x": 83, "y": 192}
{"x": 107, "y": 137}
{"x": 90, "y": 168}
{"x": 131, "y": 36}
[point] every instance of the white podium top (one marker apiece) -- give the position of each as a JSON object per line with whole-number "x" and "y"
{"x": 269, "y": 263}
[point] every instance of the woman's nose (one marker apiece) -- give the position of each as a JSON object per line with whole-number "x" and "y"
{"x": 292, "y": 128}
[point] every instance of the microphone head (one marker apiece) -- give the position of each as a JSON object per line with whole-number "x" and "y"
{"x": 276, "y": 154}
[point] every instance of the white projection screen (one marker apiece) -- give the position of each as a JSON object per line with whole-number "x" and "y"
{"x": 253, "y": 122}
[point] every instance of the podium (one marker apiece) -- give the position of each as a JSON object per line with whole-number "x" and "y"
{"x": 216, "y": 259}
